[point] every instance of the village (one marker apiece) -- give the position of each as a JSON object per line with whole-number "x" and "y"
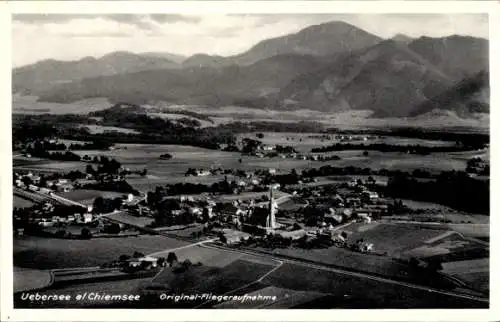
{"x": 252, "y": 208}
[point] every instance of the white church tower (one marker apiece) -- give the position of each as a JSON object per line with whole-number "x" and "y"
{"x": 273, "y": 208}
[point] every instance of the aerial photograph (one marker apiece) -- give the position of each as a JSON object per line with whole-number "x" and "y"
{"x": 251, "y": 161}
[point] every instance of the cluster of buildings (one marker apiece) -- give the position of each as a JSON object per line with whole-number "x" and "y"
{"x": 35, "y": 183}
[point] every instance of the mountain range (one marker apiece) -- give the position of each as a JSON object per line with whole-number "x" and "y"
{"x": 328, "y": 67}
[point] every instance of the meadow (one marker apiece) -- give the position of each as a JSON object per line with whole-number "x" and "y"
{"x": 355, "y": 292}
{"x": 19, "y": 202}
{"x": 304, "y": 142}
{"x": 392, "y": 239}
{"x": 30, "y": 105}
{"x": 87, "y": 197}
{"x": 50, "y": 253}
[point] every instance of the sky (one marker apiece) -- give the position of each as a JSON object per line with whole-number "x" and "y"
{"x": 69, "y": 37}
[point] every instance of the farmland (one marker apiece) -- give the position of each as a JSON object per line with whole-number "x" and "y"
{"x": 304, "y": 142}
{"x": 393, "y": 239}
{"x": 474, "y": 272}
{"x": 348, "y": 291}
{"x": 375, "y": 264}
{"x": 449, "y": 244}
{"x": 21, "y": 202}
{"x": 49, "y": 253}
{"x": 93, "y": 129}
{"x": 87, "y": 197}
{"x": 30, "y": 105}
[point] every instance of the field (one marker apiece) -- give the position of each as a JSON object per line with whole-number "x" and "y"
{"x": 131, "y": 220}
{"x": 285, "y": 298}
{"x": 48, "y": 253}
{"x": 474, "y": 272}
{"x": 375, "y": 264}
{"x": 214, "y": 257}
{"x": 304, "y": 142}
{"x": 28, "y": 279}
{"x": 208, "y": 279}
{"x": 29, "y": 105}
{"x": 94, "y": 129}
{"x": 448, "y": 244}
{"x": 352, "y": 120}
{"x": 392, "y": 239}
{"x": 354, "y": 292}
{"x": 44, "y": 165}
{"x": 19, "y": 202}
{"x": 87, "y": 197}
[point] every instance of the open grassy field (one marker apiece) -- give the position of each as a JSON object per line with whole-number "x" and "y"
{"x": 476, "y": 280}
{"x": 392, "y": 239}
{"x": 87, "y": 196}
{"x": 49, "y": 253}
{"x": 18, "y": 202}
{"x": 285, "y": 298}
{"x": 304, "y": 142}
{"x": 29, "y": 105}
{"x": 475, "y": 272}
{"x": 95, "y": 129}
{"x": 447, "y": 244}
{"x": 45, "y": 165}
{"x": 209, "y": 279}
{"x": 381, "y": 265}
{"x": 126, "y": 218}
{"x": 348, "y": 291}
{"x": 26, "y": 279}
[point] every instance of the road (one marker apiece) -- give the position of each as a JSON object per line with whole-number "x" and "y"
{"x": 182, "y": 247}
{"x": 355, "y": 274}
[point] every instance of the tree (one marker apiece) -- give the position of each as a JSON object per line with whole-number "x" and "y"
{"x": 137, "y": 255}
{"x": 124, "y": 258}
{"x": 98, "y": 204}
{"x": 114, "y": 228}
{"x": 365, "y": 153}
{"x": 161, "y": 262}
{"x": 171, "y": 259}
{"x": 61, "y": 233}
{"x": 260, "y": 135}
{"x": 89, "y": 169}
{"x": 27, "y": 180}
{"x": 222, "y": 238}
{"x": 86, "y": 233}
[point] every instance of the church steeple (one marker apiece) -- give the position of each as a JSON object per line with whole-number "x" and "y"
{"x": 271, "y": 217}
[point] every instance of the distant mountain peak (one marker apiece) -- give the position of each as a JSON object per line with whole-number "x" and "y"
{"x": 402, "y": 38}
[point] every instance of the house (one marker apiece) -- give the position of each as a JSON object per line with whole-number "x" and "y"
{"x": 146, "y": 262}
{"x": 370, "y": 195}
{"x": 366, "y": 247}
{"x": 333, "y": 218}
{"x": 293, "y": 234}
{"x": 45, "y": 190}
{"x": 35, "y": 179}
{"x": 87, "y": 218}
{"x": 33, "y": 187}
{"x": 272, "y": 171}
{"x": 195, "y": 211}
{"x": 365, "y": 217}
{"x": 202, "y": 173}
{"x": 44, "y": 222}
{"x": 64, "y": 187}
